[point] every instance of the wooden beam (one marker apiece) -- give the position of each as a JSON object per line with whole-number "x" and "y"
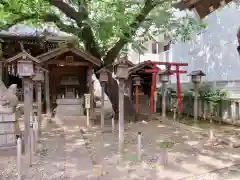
{"x": 202, "y": 6}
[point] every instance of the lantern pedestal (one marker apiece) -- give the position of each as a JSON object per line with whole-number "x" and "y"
{"x": 69, "y": 109}
{"x": 164, "y": 93}
{"x": 121, "y": 116}
{"x": 28, "y": 102}
{"x": 102, "y": 105}
{"x": 196, "y": 86}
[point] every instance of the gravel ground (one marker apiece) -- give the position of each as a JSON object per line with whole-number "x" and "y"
{"x": 48, "y": 162}
{"x": 191, "y": 154}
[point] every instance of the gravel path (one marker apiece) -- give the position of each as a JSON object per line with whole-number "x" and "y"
{"x": 61, "y": 156}
{"x": 48, "y": 162}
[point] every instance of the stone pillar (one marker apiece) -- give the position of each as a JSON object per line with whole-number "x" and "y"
{"x": 164, "y": 93}
{"x": 47, "y": 95}
{"x": 130, "y": 92}
{"x": 102, "y": 104}
{"x": 233, "y": 111}
{"x": 90, "y": 87}
{"x": 39, "y": 105}
{"x": 1, "y": 69}
{"x": 121, "y": 116}
{"x": 195, "y": 103}
{"x": 28, "y": 101}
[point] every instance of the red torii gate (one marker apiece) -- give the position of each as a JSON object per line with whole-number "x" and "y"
{"x": 154, "y": 72}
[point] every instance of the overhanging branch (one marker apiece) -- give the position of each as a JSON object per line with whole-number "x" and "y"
{"x": 85, "y": 33}
{"x": 66, "y": 9}
{"x": 63, "y": 27}
{"x": 20, "y": 19}
{"x": 114, "y": 51}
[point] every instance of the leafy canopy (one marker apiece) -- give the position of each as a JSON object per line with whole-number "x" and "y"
{"x": 104, "y": 27}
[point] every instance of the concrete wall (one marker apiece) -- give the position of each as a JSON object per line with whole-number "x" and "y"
{"x": 214, "y": 49}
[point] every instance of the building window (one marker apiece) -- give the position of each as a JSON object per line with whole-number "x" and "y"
{"x": 166, "y": 47}
{"x": 155, "y": 48}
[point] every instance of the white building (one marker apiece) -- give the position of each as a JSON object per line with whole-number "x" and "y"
{"x": 158, "y": 50}
{"x": 213, "y": 50}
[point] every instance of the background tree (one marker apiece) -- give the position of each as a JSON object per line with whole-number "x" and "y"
{"x": 103, "y": 27}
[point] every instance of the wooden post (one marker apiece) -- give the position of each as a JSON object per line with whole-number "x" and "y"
{"x": 28, "y": 92}
{"x": 121, "y": 116}
{"x": 47, "y": 95}
{"x": 102, "y": 105}
{"x": 152, "y": 92}
{"x": 163, "y": 100}
{"x": 39, "y": 107}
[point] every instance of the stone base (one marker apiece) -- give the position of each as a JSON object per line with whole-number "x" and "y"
{"x": 9, "y": 127}
{"x": 69, "y": 108}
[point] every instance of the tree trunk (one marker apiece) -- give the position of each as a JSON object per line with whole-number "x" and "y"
{"x": 111, "y": 89}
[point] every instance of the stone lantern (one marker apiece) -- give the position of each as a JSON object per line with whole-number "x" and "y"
{"x": 122, "y": 69}
{"x": 26, "y": 70}
{"x": 196, "y": 78}
{"x": 136, "y": 82}
{"x": 164, "y": 77}
{"x": 38, "y": 78}
{"x": 103, "y": 77}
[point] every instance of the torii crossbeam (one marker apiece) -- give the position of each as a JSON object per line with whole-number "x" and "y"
{"x": 177, "y": 71}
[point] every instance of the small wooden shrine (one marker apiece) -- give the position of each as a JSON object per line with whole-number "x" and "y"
{"x": 146, "y": 78}
{"x": 68, "y": 74}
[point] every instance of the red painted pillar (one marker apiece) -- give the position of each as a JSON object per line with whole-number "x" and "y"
{"x": 179, "y": 103}
{"x": 137, "y": 100}
{"x": 152, "y": 92}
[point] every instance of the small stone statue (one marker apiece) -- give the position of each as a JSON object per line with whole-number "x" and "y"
{"x": 8, "y": 96}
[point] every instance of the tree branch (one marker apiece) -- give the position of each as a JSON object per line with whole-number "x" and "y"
{"x": 67, "y": 10}
{"x": 16, "y": 21}
{"x": 85, "y": 32}
{"x": 112, "y": 54}
{"x": 63, "y": 27}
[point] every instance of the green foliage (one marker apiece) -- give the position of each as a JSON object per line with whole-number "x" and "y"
{"x": 213, "y": 97}
{"x": 166, "y": 144}
{"x": 109, "y": 20}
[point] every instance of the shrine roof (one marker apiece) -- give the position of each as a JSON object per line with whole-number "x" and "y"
{"x": 21, "y": 55}
{"x": 141, "y": 66}
{"x": 201, "y": 6}
{"x": 197, "y": 72}
{"x": 126, "y": 60}
{"x": 59, "y": 51}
